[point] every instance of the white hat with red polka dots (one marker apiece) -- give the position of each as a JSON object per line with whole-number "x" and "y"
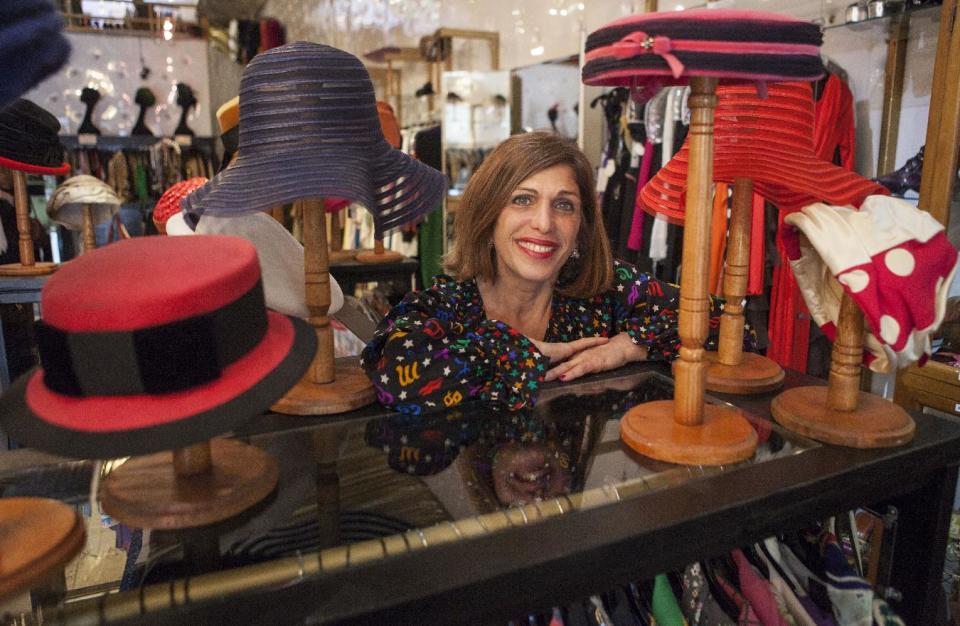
{"x": 892, "y": 258}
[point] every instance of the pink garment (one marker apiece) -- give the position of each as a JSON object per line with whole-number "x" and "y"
{"x": 757, "y": 591}
{"x": 635, "y": 241}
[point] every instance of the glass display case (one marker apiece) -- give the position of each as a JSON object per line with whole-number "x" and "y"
{"x": 474, "y": 515}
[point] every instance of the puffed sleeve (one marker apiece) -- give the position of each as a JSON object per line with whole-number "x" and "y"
{"x": 646, "y": 309}
{"x": 434, "y": 350}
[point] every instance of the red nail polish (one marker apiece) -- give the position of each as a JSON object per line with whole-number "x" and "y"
{"x": 563, "y": 377}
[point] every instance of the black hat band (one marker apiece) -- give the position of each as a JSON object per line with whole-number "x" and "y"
{"x": 161, "y": 359}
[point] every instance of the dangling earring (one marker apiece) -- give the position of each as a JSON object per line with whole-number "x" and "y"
{"x": 575, "y": 254}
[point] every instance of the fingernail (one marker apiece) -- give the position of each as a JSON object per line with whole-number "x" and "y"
{"x": 563, "y": 377}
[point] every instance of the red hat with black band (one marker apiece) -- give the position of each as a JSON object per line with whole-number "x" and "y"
{"x": 151, "y": 344}
{"x": 730, "y": 44}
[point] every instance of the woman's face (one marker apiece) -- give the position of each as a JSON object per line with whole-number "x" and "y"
{"x": 528, "y": 473}
{"x": 537, "y": 231}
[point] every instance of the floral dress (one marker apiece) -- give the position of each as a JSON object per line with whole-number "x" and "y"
{"x": 437, "y": 348}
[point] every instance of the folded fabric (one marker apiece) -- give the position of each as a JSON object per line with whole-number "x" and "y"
{"x": 892, "y": 258}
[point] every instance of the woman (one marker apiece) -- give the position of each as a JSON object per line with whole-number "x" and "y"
{"x": 534, "y": 294}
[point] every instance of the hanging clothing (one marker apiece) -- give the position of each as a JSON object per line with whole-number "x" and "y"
{"x": 665, "y": 608}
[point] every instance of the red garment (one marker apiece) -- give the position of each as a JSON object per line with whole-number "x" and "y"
{"x": 833, "y": 123}
{"x": 834, "y": 131}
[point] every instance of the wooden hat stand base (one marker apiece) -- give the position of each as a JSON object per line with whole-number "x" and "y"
{"x": 28, "y": 265}
{"x": 379, "y": 254}
{"x": 730, "y": 369}
{"x": 687, "y": 430}
{"x": 190, "y": 487}
{"x": 38, "y": 537}
{"x": 328, "y": 386}
{"x": 840, "y": 413}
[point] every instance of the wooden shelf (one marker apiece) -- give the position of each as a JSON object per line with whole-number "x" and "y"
{"x": 935, "y": 385}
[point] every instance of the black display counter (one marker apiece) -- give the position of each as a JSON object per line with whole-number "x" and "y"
{"x": 451, "y": 548}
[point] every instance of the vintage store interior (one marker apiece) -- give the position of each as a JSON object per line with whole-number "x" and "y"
{"x": 174, "y": 451}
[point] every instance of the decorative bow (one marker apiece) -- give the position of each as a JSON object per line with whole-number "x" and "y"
{"x": 637, "y": 43}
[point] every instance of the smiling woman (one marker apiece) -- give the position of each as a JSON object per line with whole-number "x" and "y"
{"x": 534, "y": 294}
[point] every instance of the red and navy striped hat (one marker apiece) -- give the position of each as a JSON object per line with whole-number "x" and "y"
{"x": 723, "y": 43}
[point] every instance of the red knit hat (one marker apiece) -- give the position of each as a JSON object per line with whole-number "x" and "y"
{"x": 768, "y": 140}
{"x": 169, "y": 202}
{"x": 151, "y": 344}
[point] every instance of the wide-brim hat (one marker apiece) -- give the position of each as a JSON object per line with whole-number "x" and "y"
{"x": 29, "y": 141}
{"x": 32, "y": 45}
{"x": 309, "y": 128}
{"x": 154, "y": 343}
{"x": 729, "y": 44}
{"x": 66, "y": 205}
{"x": 893, "y": 259}
{"x": 768, "y": 140}
{"x": 169, "y": 203}
{"x": 281, "y": 260}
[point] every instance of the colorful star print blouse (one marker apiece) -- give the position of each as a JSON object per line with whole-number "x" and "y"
{"x": 437, "y": 348}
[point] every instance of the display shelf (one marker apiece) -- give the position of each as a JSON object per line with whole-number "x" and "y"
{"x": 914, "y": 11}
{"x": 458, "y": 563}
{"x": 136, "y": 142}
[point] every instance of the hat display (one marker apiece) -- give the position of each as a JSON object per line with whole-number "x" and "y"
{"x": 770, "y": 141}
{"x": 28, "y": 140}
{"x": 892, "y": 258}
{"x": 723, "y": 43}
{"x": 132, "y": 366}
{"x": 281, "y": 260}
{"x": 309, "y": 129}
{"x": 66, "y": 205}
{"x": 169, "y": 203}
{"x": 32, "y": 45}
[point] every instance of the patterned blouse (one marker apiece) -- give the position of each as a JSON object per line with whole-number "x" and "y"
{"x": 437, "y": 348}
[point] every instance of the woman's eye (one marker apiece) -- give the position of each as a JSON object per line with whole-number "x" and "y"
{"x": 522, "y": 200}
{"x": 566, "y": 206}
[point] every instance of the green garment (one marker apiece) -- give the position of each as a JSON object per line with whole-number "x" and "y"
{"x": 665, "y": 608}
{"x": 430, "y": 246}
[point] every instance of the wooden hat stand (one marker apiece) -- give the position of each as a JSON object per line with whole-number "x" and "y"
{"x": 28, "y": 265}
{"x": 194, "y": 486}
{"x": 686, "y": 429}
{"x": 840, "y": 413}
{"x": 38, "y": 537}
{"x": 730, "y": 369}
{"x": 379, "y": 254}
{"x": 328, "y": 386}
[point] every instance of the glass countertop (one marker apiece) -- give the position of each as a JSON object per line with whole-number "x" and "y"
{"x": 371, "y": 487}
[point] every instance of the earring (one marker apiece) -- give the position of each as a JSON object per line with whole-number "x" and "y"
{"x": 490, "y": 243}
{"x": 575, "y": 254}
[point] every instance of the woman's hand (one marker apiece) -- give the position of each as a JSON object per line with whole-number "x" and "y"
{"x": 557, "y": 352}
{"x": 618, "y": 351}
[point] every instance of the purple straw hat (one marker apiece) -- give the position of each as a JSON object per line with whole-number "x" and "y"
{"x": 309, "y": 128}
{"x": 729, "y": 44}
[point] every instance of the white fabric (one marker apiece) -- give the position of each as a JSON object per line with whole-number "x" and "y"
{"x": 176, "y": 225}
{"x": 281, "y": 260}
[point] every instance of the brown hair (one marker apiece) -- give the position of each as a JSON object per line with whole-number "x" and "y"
{"x": 488, "y": 192}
